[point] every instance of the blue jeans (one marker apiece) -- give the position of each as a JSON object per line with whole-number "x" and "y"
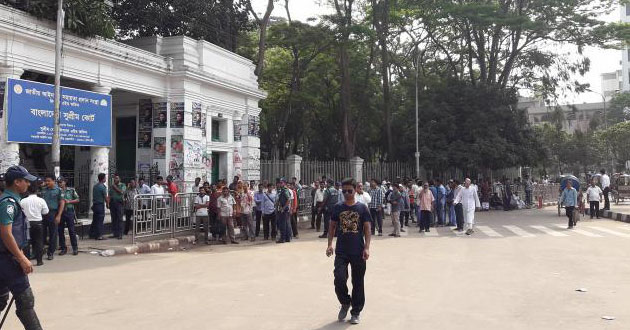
{"x": 51, "y": 226}
{"x": 67, "y": 219}
{"x": 96, "y": 228}
{"x": 284, "y": 226}
{"x": 376, "y": 220}
{"x": 439, "y": 210}
{"x": 451, "y": 215}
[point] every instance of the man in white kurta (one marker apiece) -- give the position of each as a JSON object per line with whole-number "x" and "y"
{"x": 470, "y": 202}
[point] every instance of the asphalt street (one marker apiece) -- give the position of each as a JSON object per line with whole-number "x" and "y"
{"x": 520, "y": 270}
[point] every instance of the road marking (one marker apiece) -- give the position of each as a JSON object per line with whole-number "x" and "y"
{"x": 489, "y": 231}
{"x": 549, "y": 231}
{"x": 518, "y": 231}
{"x": 580, "y": 231}
{"x": 610, "y": 231}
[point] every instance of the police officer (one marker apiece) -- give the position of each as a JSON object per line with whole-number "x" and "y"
{"x": 14, "y": 266}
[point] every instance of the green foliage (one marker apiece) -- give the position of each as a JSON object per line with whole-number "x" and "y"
{"x": 218, "y": 21}
{"x": 619, "y": 108}
{"x": 617, "y": 137}
{"x": 87, "y": 18}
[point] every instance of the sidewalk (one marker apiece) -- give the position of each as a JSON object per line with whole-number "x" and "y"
{"x": 115, "y": 247}
{"x": 618, "y": 212}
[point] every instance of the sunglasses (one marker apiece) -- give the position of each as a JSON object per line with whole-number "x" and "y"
{"x": 347, "y": 191}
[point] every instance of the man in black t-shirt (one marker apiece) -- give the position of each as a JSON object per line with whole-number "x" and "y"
{"x": 353, "y": 248}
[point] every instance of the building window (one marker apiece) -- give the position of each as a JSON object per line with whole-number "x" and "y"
{"x": 628, "y": 10}
{"x": 628, "y": 51}
{"x": 216, "y": 131}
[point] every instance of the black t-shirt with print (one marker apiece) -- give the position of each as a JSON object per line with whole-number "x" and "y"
{"x": 350, "y": 221}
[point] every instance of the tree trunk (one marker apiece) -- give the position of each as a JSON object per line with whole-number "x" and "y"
{"x": 262, "y": 33}
{"x": 382, "y": 26}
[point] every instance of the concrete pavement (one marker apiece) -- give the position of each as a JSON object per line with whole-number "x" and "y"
{"x": 519, "y": 271}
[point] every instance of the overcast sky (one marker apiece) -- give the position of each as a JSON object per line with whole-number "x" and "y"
{"x": 602, "y": 61}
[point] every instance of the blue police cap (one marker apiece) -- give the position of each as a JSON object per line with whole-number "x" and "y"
{"x": 18, "y": 172}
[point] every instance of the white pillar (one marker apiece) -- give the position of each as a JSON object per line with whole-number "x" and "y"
{"x": 9, "y": 152}
{"x": 356, "y": 164}
{"x": 99, "y": 156}
{"x": 294, "y": 162}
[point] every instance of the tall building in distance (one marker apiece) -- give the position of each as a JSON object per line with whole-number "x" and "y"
{"x": 612, "y": 83}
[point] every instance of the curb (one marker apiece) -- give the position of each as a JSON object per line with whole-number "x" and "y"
{"x": 148, "y": 247}
{"x": 613, "y": 215}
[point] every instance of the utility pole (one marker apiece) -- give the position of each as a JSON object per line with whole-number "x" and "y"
{"x": 56, "y": 140}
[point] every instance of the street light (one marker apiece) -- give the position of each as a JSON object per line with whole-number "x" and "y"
{"x": 612, "y": 161}
{"x": 417, "y": 154}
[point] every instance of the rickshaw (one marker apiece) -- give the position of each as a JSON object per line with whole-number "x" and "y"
{"x": 575, "y": 183}
{"x": 620, "y": 187}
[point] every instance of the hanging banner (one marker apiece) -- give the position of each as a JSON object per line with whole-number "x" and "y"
{"x": 85, "y": 117}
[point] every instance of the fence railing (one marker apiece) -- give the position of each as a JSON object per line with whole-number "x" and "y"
{"x": 162, "y": 215}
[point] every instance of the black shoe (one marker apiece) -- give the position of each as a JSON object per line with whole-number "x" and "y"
{"x": 63, "y": 252}
{"x": 392, "y": 234}
{"x": 40, "y": 263}
{"x": 75, "y": 252}
{"x": 234, "y": 242}
{"x": 402, "y": 230}
{"x": 354, "y": 319}
{"x": 343, "y": 312}
{"x": 119, "y": 237}
{"x": 101, "y": 238}
{"x": 50, "y": 257}
{"x": 280, "y": 241}
{"x": 426, "y": 230}
{"x": 323, "y": 236}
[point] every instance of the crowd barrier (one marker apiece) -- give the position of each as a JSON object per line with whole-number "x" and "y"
{"x": 162, "y": 215}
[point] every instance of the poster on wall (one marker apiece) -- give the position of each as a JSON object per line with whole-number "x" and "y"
{"x": 177, "y": 114}
{"x": 176, "y": 164}
{"x": 159, "y": 115}
{"x": 177, "y": 144}
{"x": 253, "y": 126}
{"x": 238, "y": 163}
{"x": 144, "y": 140}
{"x": 159, "y": 147}
{"x": 237, "y": 130}
{"x": 192, "y": 154}
{"x": 145, "y": 123}
{"x": 207, "y": 161}
{"x": 196, "y": 114}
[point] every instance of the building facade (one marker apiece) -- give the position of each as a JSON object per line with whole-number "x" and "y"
{"x": 576, "y": 117}
{"x": 612, "y": 83}
{"x": 186, "y": 107}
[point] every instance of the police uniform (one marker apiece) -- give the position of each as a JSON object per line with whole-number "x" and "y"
{"x": 12, "y": 277}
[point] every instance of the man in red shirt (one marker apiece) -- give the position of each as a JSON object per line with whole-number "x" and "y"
{"x": 171, "y": 187}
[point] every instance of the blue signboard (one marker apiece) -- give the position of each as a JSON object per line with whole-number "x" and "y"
{"x": 85, "y": 117}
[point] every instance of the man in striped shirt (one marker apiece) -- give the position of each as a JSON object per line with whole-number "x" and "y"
{"x": 377, "y": 197}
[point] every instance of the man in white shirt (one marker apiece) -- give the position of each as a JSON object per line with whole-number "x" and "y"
{"x": 605, "y": 181}
{"x": 226, "y": 205}
{"x": 34, "y": 207}
{"x": 362, "y": 197}
{"x": 318, "y": 200}
{"x": 158, "y": 187}
{"x": 594, "y": 196}
{"x": 202, "y": 202}
{"x": 469, "y": 199}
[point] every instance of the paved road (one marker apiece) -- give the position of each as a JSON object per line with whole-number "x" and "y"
{"x": 519, "y": 271}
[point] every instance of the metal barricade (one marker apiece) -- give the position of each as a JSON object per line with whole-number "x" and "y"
{"x": 183, "y": 212}
{"x": 152, "y": 216}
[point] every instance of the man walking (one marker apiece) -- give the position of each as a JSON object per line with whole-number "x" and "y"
{"x": 14, "y": 266}
{"x": 318, "y": 202}
{"x": 331, "y": 196}
{"x": 594, "y": 195}
{"x": 52, "y": 195}
{"x": 116, "y": 192}
{"x": 469, "y": 199}
{"x": 99, "y": 201}
{"x": 568, "y": 199}
{"x": 352, "y": 248}
{"x": 377, "y": 197}
{"x": 34, "y": 207}
{"x": 70, "y": 198}
{"x": 605, "y": 181}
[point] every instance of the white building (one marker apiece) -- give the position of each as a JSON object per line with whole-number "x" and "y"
{"x": 213, "y": 90}
{"x": 612, "y": 83}
{"x": 625, "y": 55}
{"x": 577, "y": 117}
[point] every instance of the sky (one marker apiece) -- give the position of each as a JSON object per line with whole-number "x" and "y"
{"x": 602, "y": 60}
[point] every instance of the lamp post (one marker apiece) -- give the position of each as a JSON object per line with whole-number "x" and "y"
{"x": 417, "y": 154}
{"x": 56, "y": 140}
{"x": 612, "y": 161}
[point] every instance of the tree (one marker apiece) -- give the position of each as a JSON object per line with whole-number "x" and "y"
{"x": 262, "y": 28}
{"x": 220, "y": 22}
{"x": 619, "y": 108}
{"x": 617, "y": 138}
{"x": 87, "y": 18}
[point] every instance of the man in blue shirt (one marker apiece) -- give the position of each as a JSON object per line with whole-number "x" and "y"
{"x": 269, "y": 212}
{"x": 352, "y": 248}
{"x": 569, "y": 200}
{"x": 259, "y": 198}
{"x": 53, "y": 196}
{"x": 14, "y": 265}
{"x": 440, "y": 202}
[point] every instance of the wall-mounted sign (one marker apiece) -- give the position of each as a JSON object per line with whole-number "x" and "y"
{"x": 85, "y": 117}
